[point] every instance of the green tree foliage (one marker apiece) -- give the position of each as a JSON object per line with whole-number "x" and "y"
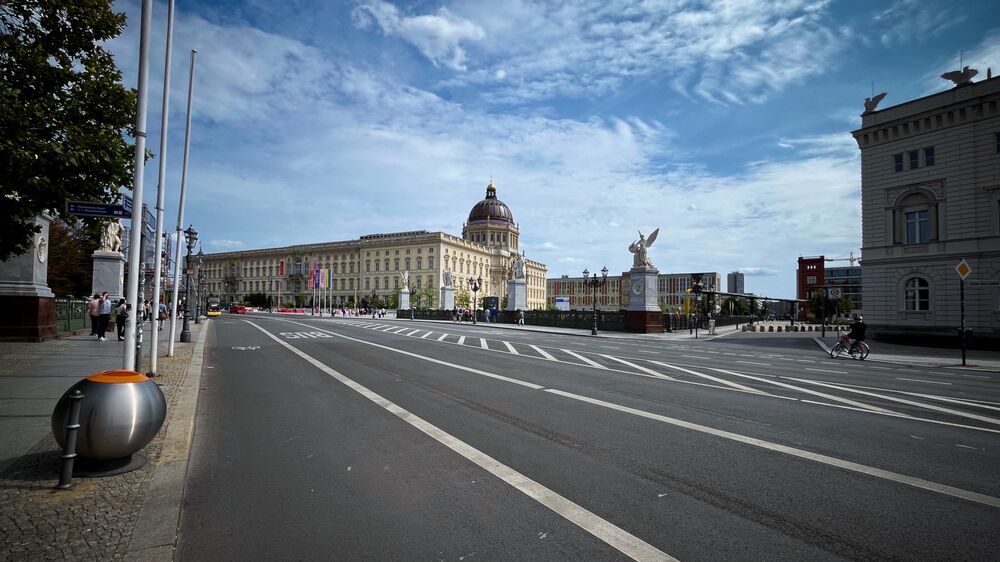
{"x": 428, "y": 297}
{"x": 70, "y": 273}
{"x": 845, "y": 305}
{"x": 256, "y": 299}
{"x": 463, "y": 298}
{"x": 63, "y": 111}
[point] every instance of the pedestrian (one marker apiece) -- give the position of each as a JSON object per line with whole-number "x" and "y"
{"x": 520, "y": 317}
{"x": 162, "y": 314}
{"x": 94, "y": 310}
{"x": 105, "y": 316}
{"x": 120, "y": 319}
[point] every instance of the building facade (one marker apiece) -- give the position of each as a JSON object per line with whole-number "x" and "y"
{"x": 812, "y": 275}
{"x": 734, "y": 283}
{"x": 930, "y": 188}
{"x": 373, "y": 265}
{"x": 673, "y": 295}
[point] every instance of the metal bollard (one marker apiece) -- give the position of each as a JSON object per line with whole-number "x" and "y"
{"x": 69, "y": 453}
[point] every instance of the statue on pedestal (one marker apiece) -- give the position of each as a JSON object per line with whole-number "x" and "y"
{"x": 638, "y": 249}
{"x": 111, "y": 237}
{"x": 406, "y": 279}
{"x": 449, "y": 279}
{"x": 520, "y": 267}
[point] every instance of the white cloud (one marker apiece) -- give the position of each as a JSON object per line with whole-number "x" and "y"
{"x": 439, "y": 37}
{"x": 224, "y": 245}
{"x": 914, "y": 20}
{"x": 758, "y": 271}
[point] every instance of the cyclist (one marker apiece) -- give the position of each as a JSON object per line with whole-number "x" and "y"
{"x": 857, "y": 333}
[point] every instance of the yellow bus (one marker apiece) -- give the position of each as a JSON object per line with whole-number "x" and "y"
{"x": 213, "y": 306}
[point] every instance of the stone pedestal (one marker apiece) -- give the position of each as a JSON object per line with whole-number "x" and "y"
{"x": 517, "y": 294}
{"x": 29, "y": 307}
{"x": 447, "y": 298}
{"x": 109, "y": 274}
{"x": 404, "y": 299}
{"x": 643, "y": 313}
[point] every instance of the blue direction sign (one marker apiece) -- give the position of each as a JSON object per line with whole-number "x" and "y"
{"x": 150, "y": 219}
{"x": 90, "y": 209}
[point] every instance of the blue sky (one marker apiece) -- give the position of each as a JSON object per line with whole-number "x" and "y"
{"x": 725, "y": 124}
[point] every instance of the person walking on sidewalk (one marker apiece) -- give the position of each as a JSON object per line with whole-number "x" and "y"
{"x": 120, "y": 318}
{"x": 105, "y": 316}
{"x": 94, "y": 311}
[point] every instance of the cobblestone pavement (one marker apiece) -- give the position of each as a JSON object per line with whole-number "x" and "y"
{"x": 94, "y": 519}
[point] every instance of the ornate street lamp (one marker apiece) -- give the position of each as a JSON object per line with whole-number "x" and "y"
{"x": 372, "y": 303}
{"x": 594, "y": 283}
{"x": 200, "y": 287}
{"x": 191, "y": 237}
{"x": 474, "y": 286}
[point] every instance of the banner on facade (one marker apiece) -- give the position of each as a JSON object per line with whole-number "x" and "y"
{"x": 281, "y": 268}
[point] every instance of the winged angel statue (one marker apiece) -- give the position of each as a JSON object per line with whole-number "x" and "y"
{"x": 638, "y": 248}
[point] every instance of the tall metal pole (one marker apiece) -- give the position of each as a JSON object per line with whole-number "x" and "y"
{"x": 180, "y": 209}
{"x": 160, "y": 190}
{"x": 961, "y": 298}
{"x": 135, "y": 244}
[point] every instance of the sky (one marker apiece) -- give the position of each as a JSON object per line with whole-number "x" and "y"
{"x": 723, "y": 123}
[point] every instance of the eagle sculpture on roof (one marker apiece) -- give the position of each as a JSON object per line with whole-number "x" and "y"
{"x": 872, "y": 103}
{"x": 961, "y": 77}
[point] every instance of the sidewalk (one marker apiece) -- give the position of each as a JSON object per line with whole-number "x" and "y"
{"x": 883, "y": 352}
{"x": 97, "y": 517}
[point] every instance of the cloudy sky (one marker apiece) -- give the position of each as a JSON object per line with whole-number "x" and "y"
{"x": 725, "y": 124}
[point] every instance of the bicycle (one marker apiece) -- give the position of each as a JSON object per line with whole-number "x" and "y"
{"x": 857, "y": 350}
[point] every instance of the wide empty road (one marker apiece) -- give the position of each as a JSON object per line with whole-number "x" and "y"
{"x": 360, "y": 439}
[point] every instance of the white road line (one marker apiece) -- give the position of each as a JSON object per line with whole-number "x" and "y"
{"x": 754, "y": 363}
{"x": 962, "y": 401}
{"x": 709, "y": 377}
{"x": 847, "y": 465}
{"x": 915, "y": 437}
{"x": 621, "y": 540}
{"x": 425, "y": 335}
{"x": 805, "y": 360}
{"x": 656, "y": 374}
{"x": 880, "y": 368}
{"x": 511, "y": 348}
{"x": 461, "y": 340}
{"x": 482, "y": 344}
{"x": 921, "y": 380}
{"x": 904, "y": 401}
{"x": 826, "y": 371}
{"x": 443, "y": 336}
{"x": 975, "y": 377}
{"x": 965, "y": 447}
{"x": 544, "y": 353}
{"x": 692, "y": 357}
{"x": 812, "y": 392}
{"x": 816, "y": 457}
{"x": 590, "y": 362}
{"x": 413, "y": 332}
{"x": 387, "y": 328}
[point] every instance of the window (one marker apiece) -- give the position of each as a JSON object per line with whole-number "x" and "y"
{"x": 929, "y": 156}
{"x": 914, "y": 159}
{"x": 376, "y": 265}
{"x": 810, "y": 280}
{"x": 396, "y": 263}
{"x": 897, "y": 162}
{"x": 917, "y": 228}
{"x": 368, "y": 283}
{"x": 916, "y": 294}
{"x": 420, "y": 263}
{"x": 376, "y": 282}
{"x": 430, "y": 263}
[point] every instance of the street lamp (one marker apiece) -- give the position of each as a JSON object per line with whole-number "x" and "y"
{"x": 474, "y": 286}
{"x": 594, "y": 283}
{"x": 191, "y": 237}
{"x": 201, "y": 286}
{"x": 372, "y": 303}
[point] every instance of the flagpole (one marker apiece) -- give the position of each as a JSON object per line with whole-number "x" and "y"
{"x": 180, "y": 210}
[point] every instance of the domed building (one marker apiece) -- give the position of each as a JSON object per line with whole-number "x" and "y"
{"x": 357, "y": 272}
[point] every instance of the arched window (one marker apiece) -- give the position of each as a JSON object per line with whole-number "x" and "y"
{"x": 396, "y": 264}
{"x": 368, "y": 282}
{"x": 395, "y": 282}
{"x": 430, "y": 264}
{"x": 420, "y": 263}
{"x": 407, "y": 264}
{"x": 368, "y": 265}
{"x": 385, "y": 282}
{"x": 916, "y": 294}
{"x": 418, "y": 282}
{"x": 387, "y": 264}
{"x": 376, "y": 280}
{"x": 376, "y": 265}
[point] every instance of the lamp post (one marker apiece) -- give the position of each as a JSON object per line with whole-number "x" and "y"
{"x": 474, "y": 286}
{"x": 372, "y": 304}
{"x": 201, "y": 286}
{"x": 594, "y": 283}
{"x": 190, "y": 236}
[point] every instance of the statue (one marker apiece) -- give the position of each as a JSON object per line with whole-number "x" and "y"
{"x": 638, "y": 248}
{"x": 111, "y": 237}
{"x": 872, "y": 103}
{"x": 961, "y": 77}
{"x": 449, "y": 279}
{"x": 519, "y": 267}
{"x": 406, "y": 279}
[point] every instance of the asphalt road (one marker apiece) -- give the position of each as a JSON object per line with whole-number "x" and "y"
{"x": 354, "y": 439}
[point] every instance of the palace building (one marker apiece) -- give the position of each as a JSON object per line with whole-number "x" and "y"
{"x": 355, "y": 270}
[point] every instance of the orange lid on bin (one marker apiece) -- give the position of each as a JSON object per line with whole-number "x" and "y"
{"x": 118, "y": 376}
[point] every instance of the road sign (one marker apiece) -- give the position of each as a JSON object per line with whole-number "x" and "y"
{"x": 963, "y": 269}
{"x": 150, "y": 219}
{"x": 835, "y": 292}
{"x": 90, "y": 209}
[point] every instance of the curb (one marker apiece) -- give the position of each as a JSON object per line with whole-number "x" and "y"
{"x": 154, "y": 536}
{"x": 826, "y": 349}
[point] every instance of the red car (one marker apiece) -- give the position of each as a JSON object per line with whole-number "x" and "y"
{"x": 238, "y": 309}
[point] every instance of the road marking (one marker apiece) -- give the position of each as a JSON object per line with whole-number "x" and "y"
{"x": 816, "y": 457}
{"x": 443, "y": 336}
{"x": 921, "y": 380}
{"x": 511, "y": 348}
{"x": 710, "y": 377}
{"x": 754, "y": 363}
{"x": 482, "y": 343}
{"x": 425, "y": 335}
{"x": 590, "y": 362}
{"x": 620, "y": 539}
{"x": 904, "y": 401}
{"x": 826, "y": 371}
{"x": 805, "y": 360}
{"x": 881, "y": 368}
{"x": 692, "y": 357}
{"x": 832, "y": 461}
{"x": 656, "y": 374}
{"x": 544, "y": 353}
{"x": 461, "y": 340}
{"x": 413, "y": 332}
{"x": 966, "y": 447}
{"x": 975, "y": 377}
{"x": 812, "y": 392}
{"x": 915, "y": 437}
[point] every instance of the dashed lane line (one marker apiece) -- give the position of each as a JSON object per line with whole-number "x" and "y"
{"x": 827, "y": 371}
{"x": 590, "y": 362}
{"x": 921, "y": 380}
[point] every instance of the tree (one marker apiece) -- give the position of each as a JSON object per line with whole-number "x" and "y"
{"x": 428, "y": 296}
{"x": 63, "y": 111}
{"x": 463, "y": 298}
{"x": 845, "y": 305}
{"x": 70, "y": 274}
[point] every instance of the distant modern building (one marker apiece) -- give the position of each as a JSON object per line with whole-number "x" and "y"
{"x": 734, "y": 283}
{"x": 812, "y": 275}
{"x": 673, "y": 287}
{"x": 930, "y": 189}
{"x": 374, "y": 263}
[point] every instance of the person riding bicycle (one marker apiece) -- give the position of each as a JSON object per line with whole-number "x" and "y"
{"x": 857, "y": 333}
